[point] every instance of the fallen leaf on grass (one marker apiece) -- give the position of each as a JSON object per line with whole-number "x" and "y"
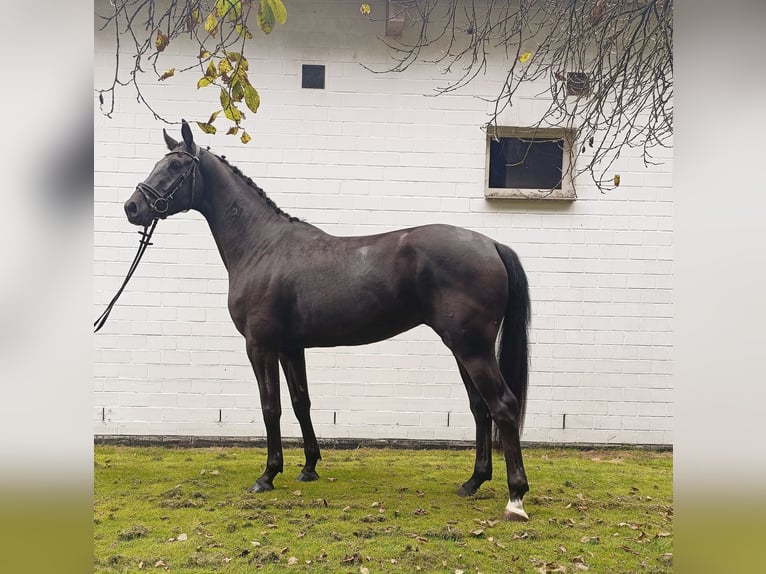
{"x": 551, "y": 567}
{"x": 477, "y": 532}
{"x": 521, "y": 536}
{"x": 292, "y": 561}
{"x": 629, "y": 549}
{"x": 182, "y": 537}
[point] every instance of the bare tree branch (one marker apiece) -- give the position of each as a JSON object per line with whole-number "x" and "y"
{"x": 618, "y": 52}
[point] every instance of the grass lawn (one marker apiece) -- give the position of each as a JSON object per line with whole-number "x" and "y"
{"x": 379, "y": 510}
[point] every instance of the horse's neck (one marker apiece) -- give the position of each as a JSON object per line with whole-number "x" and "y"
{"x": 243, "y": 222}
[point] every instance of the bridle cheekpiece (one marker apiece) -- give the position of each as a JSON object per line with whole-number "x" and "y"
{"x": 158, "y": 202}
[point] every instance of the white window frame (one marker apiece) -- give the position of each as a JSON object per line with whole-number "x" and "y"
{"x": 567, "y": 191}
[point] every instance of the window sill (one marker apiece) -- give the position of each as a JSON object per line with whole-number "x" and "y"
{"x": 536, "y": 194}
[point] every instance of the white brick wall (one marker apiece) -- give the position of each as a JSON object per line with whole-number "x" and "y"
{"x": 370, "y": 153}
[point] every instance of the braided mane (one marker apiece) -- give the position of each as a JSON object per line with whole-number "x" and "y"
{"x": 266, "y": 199}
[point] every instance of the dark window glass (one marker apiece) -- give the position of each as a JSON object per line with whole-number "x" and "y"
{"x": 313, "y": 76}
{"x": 526, "y": 163}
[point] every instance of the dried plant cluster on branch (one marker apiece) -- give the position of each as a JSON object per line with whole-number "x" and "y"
{"x": 219, "y": 27}
{"x": 607, "y": 65}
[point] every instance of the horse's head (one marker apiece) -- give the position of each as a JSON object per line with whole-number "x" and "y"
{"x": 174, "y": 185}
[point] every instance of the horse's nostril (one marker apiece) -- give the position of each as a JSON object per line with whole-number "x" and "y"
{"x": 131, "y": 208}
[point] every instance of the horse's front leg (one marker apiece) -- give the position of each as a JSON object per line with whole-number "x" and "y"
{"x": 266, "y": 369}
{"x": 294, "y": 365}
{"x": 482, "y": 469}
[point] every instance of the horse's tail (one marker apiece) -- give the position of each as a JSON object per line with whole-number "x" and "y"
{"x": 513, "y": 356}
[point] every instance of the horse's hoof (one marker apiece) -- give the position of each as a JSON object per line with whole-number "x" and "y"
{"x": 466, "y": 490}
{"x": 514, "y": 512}
{"x": 307, "y": 476}
{"x": 261, "y": 487}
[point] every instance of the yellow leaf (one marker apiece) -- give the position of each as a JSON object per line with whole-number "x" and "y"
{"x": 245, "y": 137}
{"x": 162, "y": 41}
{"x": 224, "y": 66}
{"x": 365, "y": 9}
{"x": 525, "y": 56}
{"x": 207, "y": 128}
{"x": 243, "y": 31}
{"x": 211, "y": 24}
{"x": 167, "y": 74}
{"x": 211, "y": 72}
{"x": 204, "y": 81}
{"x": 617, "y": 180}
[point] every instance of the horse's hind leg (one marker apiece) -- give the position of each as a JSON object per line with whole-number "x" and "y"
{"x": 294, "y": 365}
{"x": 503, "y": 406}
{"x": 482, "y": 470}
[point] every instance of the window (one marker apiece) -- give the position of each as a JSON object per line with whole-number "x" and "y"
{"x": 312, "y": 76}
{"x": 529, "y": 163}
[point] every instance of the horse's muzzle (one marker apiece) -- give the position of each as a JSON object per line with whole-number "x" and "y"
{"x": 137, "y": 210}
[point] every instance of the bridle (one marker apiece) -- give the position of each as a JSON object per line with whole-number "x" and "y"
{"x": 158, "y": 202}
{"x": 159, "y": 206}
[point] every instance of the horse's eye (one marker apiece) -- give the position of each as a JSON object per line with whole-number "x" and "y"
{"x": 175, "y": 165}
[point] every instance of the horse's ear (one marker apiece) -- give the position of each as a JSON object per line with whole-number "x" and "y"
{"x": 169, "y": 141}
{"x": 187, "y": 134}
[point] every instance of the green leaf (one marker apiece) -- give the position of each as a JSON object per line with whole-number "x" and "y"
{"x": 266, "y": 17}
{"x": 213, "y": 116}
{"x": 204, "y": 81}
{"x": 233, "y": 113}
{"x": 237, "y": 93}
{"x": 279, "y": 10}
{"x": 225, "y": 101}
{"x": 207, "y": 128}
{"x": 252, "y": 99}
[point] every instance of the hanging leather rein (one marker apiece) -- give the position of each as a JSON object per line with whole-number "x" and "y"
{"x": 159, "y": 205}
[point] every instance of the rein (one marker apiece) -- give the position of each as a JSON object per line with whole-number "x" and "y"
{"x": 159, "y": 203}
{"x": 145, "y": 234}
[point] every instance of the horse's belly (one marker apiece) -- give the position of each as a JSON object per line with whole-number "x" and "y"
{"x": 354, "y": 325}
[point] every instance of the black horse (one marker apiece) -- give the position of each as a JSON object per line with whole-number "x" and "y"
{"x": 293, "y": 286}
